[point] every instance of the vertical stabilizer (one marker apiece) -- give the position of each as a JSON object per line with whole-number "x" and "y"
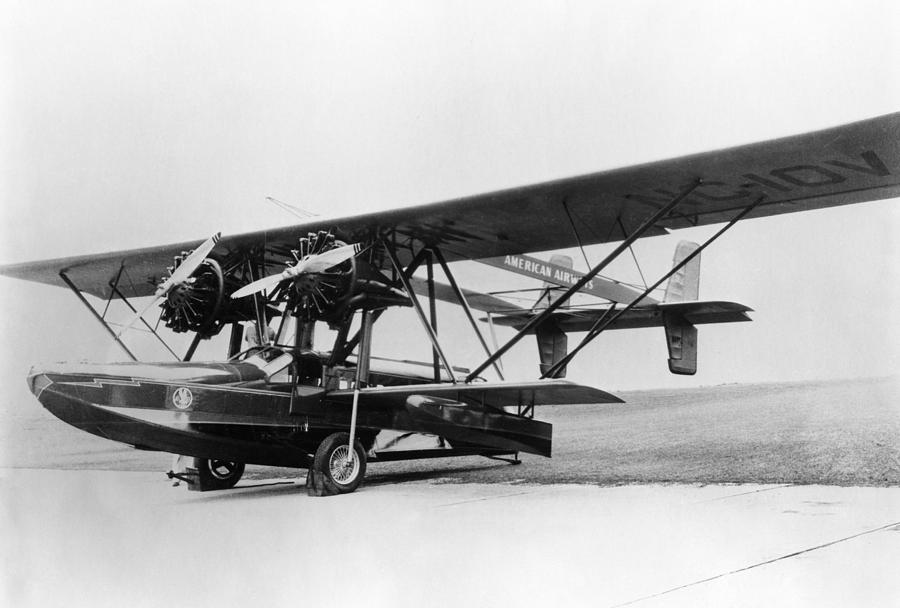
{"x": 551, "y": 291}
{"x": 684, "y": 285}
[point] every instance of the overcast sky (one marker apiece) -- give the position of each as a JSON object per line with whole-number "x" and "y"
{"x": 130, "y": 124}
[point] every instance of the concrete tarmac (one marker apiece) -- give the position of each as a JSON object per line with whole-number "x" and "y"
{"x": 105, "y": 538}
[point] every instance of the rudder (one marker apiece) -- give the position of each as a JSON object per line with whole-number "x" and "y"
{"x": 681, "y": 336}
{"x": 552, "y": 342}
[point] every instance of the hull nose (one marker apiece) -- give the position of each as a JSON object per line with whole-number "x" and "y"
{"x": 37, "y": 382}
{"x": 75, "y": 398}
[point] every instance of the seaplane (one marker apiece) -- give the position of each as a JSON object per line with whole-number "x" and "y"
{"x": 334, "y": 410}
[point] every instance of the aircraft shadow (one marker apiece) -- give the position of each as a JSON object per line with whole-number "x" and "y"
{"x": 267, "y": 489}
{"x": 451, "y": 475}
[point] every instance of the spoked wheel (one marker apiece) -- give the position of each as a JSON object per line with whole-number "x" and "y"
{"x": 218, "y": 474}
{"x": 333, "y": 472}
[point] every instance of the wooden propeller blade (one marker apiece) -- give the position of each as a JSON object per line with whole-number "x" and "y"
{"x": 323, "y": 261}
{"x": 179, "y": 275}
{"x": 308, "y": 265}
{"x": 259, "y": 285}
{"x": 190, "y": 264}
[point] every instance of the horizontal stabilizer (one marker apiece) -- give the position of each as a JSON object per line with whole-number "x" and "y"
{"x": 695, "y": 313}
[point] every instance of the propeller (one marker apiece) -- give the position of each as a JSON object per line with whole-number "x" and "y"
{"x": 177, "y": 276}
{"x": 311, "y": 264}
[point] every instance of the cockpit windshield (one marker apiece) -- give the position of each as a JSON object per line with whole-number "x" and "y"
{"x": 270, "y": 359}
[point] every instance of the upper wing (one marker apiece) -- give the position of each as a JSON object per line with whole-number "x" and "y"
{"x": 846, "y": 164}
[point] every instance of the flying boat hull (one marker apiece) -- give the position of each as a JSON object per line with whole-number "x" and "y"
{"x": 229, "y": 411}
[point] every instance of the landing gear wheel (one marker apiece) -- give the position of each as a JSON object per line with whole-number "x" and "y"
{"x": 215, "y": 474}
{"x": 332, "y": 471}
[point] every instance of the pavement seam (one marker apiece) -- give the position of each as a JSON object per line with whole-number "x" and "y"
{"x": 781, "y": 487}
{"x": 483, "y": 498}
{"x": 757, "y": 565}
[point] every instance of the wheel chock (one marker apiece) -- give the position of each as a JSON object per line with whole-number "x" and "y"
{"x": 315, "y": 484}
{"x": 190, "y": 476}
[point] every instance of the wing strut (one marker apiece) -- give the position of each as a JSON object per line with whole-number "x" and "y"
{"x": 97, "y": 316}
{"x": 432, "y": 312}
{"x": 490, "y": 318}
{"x": 556, "y": 304}
{"x": 631, "y": 251}
{"x": 262, "y": 334}
{"x": 565, "y": 206}
{"x": 115, "y": 289}
{"x": 418, "y": 308}
{"x": 465, "y": 305}
{"x": 193, "y": 347}
{"x": 606, "y": 320}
